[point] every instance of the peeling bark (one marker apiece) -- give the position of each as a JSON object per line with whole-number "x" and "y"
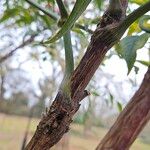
{"x": 130, "y": 121}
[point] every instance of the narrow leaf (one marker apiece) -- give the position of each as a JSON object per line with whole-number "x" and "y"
{"x": 146, "y": 63}
{"x": 95, "y": 93}
{"x": 10, "y": 13}
{"x": 78, "y": 9}
{"x": 139, "y": 2}
{"x": 99, "y": 3}
{"x": 119, "y": 106}
{"x": 134, "y": 28}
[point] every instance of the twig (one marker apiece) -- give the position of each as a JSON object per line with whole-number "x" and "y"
{"x": 31, "y": 39}
{"x": 55, "y": 17}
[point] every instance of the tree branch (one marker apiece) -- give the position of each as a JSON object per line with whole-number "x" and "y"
{"x": 54, "y": 16}
{"x": 56, "y": 122}
{"x": 136, "y": 14}
{"x": 28, "y": 41}
{"x": 131, "y": 120}
{"x": 84, "y": 28}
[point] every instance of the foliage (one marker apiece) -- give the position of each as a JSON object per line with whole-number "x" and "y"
{"x": 129, "y": 45}
{"x": 24, "y": 15}
{"x": 31, "y": 21}
{"x": 78, "y": 9}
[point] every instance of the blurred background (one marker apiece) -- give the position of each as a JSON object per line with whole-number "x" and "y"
{"x": 30, "y": 74}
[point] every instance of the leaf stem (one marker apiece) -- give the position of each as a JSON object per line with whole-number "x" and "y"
{"x": 77, "y": 25}
{"x": 69, "y": 60}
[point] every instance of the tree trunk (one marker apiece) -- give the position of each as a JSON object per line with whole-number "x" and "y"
{"x": 131, "y": 120}
{"x": 55, "y": 123}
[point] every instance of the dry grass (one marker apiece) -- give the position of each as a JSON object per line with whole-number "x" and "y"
{"x": 12, "y": 130}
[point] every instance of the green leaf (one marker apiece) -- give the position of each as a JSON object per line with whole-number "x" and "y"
{"x": 145, "y": 63}
{"x": 144, "y": 24}
{"x": 19, "y": 14}
{"x": 25, "y": 17}
{"x": 119, "y": 106}
{"x": 129, "y": 46}
{"x": 47, "y": 20}
{"x": 95, "y": 93}
{"x": 78, "y": 9}
{"x": 78, "y": 31}
{"x": 118, "y": 49}
{"x": 139, "y": 2}
{"x": 9, "y": 13}
{"x": 99, "y": 3}
{"x": 134, "y": 28}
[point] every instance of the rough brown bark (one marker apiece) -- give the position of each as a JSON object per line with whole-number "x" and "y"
{"x": 55, "y": 123}
{"x": 131, "y": 120}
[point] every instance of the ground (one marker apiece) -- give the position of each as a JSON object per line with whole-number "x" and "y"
{"x": 12, "y": 129}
